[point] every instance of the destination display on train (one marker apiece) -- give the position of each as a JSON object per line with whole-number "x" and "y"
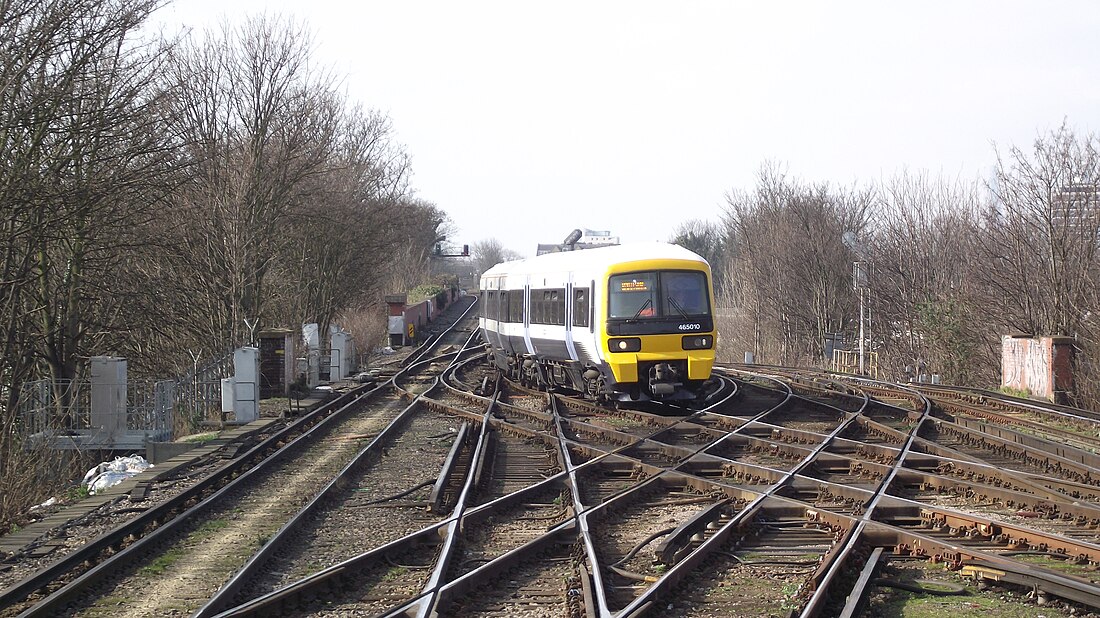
{"x": 634, "y": 286}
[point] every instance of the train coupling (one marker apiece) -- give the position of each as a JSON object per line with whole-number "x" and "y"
{"x": 664, "y": 379}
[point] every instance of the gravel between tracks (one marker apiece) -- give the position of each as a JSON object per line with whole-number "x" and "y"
{"x": 194, "y": 567}
{"x": 79, "y": 532}
{"x": 352, "y": 526}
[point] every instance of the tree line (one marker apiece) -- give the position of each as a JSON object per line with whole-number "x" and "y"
{"x": 156, "y": 194}
{"x": 954, "y": 264}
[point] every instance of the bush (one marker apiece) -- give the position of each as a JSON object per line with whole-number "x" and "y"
{"x": 423, "y": 292}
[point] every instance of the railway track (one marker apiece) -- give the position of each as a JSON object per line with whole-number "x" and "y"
{"x": 448, "y": 492}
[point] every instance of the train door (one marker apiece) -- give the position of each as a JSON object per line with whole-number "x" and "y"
{"x": 499, "y": 312}
{"x": 527, "y": 315}
{"x": 569, "y": 309}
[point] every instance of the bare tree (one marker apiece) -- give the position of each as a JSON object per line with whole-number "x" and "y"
{"x": 923, "y": 251}
{"x": 1039, "y": 244}
{"x": 706, "y": 238}
{"x": 793, "y": 282}
{"x": 84, "y": 161}
{"x": 489, "y": 252}
{"x": 331, "y": 258}
{"x": 261, "y": 123}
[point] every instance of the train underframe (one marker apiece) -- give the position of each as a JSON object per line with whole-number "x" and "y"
{"x": 664, "y": 380}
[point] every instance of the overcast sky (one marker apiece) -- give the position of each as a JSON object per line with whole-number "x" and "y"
{"x": 525, "y": 120}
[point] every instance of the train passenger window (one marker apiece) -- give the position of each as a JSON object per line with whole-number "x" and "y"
{"x": 547, "y": 308}
{"x": 633, "y": 295}
{"x": 556, "y": 306}
{"x": 535, "y": 312}
{"x": 685, "y": 293}
{"x": 580, "y": 306}
{"x": 515, "y": 306}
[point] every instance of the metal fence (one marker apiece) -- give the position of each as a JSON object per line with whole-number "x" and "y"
{"x": 154, "y": 410}
{"x": 49, "y": 405}
{"x": 56, "y": 408}
{"x": 198, "y": 395}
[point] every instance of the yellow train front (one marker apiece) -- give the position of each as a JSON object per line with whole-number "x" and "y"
{"x": 628, "y": 322}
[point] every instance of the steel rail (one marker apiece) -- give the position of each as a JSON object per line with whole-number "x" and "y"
{"x": 223, "y": 597}
{"x": 681, "y": 569}
{"x": 999, "y": 567}
{"x": 447, "y": 552}
{"x": 312, "y": 422}
{"x": 445, "y": 592}
{"x": 262, "y": 606}
{"x": 833, "y": 572}
{"x": 583, "y": 510}
{"x": 153, "y": 517}
{"x": 477, "y": 574}
{"x": 56, "y": 600}
{"x": 1053, "y": 409}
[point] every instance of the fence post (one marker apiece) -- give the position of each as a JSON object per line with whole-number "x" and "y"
{"x": 164, "y": 402}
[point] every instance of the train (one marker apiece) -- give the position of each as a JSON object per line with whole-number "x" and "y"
{"x": 624, "y": 323}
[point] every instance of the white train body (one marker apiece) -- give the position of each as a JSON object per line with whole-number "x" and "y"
{"x": 622, "y": 322}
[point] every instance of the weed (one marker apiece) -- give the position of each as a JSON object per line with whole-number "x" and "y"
{"x": 1021, "y": 393}
{"x": 208, "y": 528}
{"x": 163, "y": 562}
{"x": 790, "y": 597}
{"x": 201, "y": 438}
{"x": 394, "y": 573}
{"x": 76, "y": 494}
{"x": 1004, "y": 605}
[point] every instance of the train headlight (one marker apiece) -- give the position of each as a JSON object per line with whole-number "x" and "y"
{"x": 698, "y": 342}
{"x": 625, "y": 344}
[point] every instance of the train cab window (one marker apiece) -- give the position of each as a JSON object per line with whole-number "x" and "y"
{"x": 487, "y": 304}
{"x": 684, "y": 293}
{"x": 580, "y": 306}
{"x": 633, "y": 295}
{"x": 666, "y": 293}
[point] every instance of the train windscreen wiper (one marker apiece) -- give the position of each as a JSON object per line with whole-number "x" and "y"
{"x": 648, "y": 303}
{"x": 676, "y": 305}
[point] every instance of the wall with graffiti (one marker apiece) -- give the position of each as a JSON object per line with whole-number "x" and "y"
{"x": 1042, "y": 366}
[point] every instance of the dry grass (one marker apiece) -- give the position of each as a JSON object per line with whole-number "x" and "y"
{"x": 368, "y": 326}
{"x": 30, "y": 474}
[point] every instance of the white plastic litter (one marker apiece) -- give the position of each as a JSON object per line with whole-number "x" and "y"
{"x": 110, "y": 473}
{"x": 386, "y": 351}
{"x": 46, "y": 504}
